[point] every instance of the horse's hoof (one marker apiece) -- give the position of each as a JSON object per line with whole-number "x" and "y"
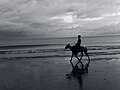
{"x": 87, "y": 65}
{"x": 82, "y": 67}
{"x": 76, "y": 66}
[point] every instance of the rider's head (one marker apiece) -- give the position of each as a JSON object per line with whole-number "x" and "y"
{"x": 79, "y": 36}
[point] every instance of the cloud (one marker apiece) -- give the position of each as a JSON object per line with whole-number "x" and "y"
{"x": 51, "y": 17}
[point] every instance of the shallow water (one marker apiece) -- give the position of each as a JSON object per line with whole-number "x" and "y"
{"x": 98, "y": 47}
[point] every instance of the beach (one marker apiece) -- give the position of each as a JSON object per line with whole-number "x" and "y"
{"x": 46, "y": 74}
{"x": 44, "y": 65}
{"x": 59, "y": 44}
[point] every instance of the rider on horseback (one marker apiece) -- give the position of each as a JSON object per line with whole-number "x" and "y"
{"x": 78, "y": 42}
{"x": 76, "y": 49}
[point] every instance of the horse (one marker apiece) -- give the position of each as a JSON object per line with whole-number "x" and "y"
{"x": 75, "y": 50}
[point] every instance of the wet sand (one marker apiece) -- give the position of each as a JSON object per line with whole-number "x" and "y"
{"x": 50, "y": 74}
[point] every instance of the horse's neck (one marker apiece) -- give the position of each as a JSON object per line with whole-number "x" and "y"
{"x": 70, "y": 48}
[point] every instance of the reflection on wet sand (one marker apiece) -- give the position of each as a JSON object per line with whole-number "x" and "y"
{"x": 78, "y": 73}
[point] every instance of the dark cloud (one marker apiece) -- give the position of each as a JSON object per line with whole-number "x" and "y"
{"x": 7, "y": 31}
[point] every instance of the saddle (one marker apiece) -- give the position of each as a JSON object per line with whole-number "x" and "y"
{"x": 77, "y": 48}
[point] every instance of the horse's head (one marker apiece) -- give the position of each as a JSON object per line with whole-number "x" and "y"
{"x": 67, "y": 46}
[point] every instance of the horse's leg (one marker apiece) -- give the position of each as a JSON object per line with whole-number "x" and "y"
{"x": 71, "y": 61}
{"x": 80, "y": 60}
{"x": 88, "y": 57}
{"x": 87, "y": 65}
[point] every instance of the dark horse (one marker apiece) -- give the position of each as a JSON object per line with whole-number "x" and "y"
{"x": 75, "y": 50}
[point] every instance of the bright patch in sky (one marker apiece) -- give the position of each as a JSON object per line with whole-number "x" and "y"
{"x": 68, "y": 19}
{"x": 65, "y": 18}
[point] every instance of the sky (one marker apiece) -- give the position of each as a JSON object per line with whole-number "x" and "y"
{"x": 59, "y": 18}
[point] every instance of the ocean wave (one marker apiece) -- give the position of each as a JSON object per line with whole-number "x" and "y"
{"x": 30, "y": 51}
{"x": 103, "y": 47}
{"x": 28, "y": 46}
{"x": 94, "y": 49}
{"x": 63, "y": 45}
{"x": 59, "y": 51}
{"x": 60, "y": 56}
{"x": 55, "y": 52}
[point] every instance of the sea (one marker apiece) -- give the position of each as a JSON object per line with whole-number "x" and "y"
{"x": 99, "y": 47}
